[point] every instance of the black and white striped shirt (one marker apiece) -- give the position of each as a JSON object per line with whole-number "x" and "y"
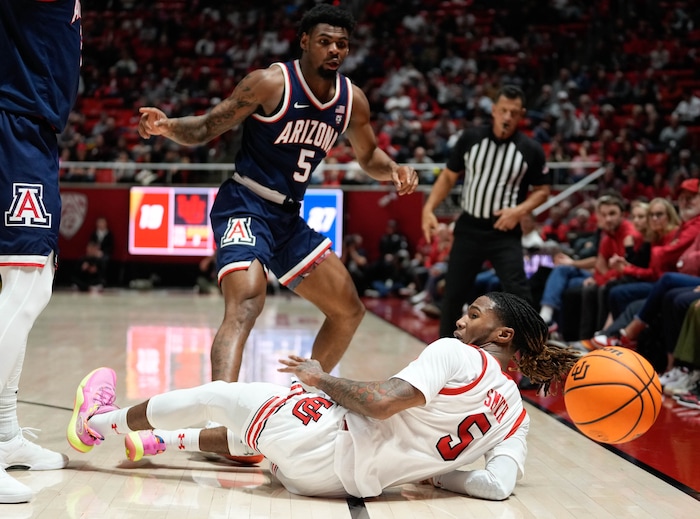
{"x": 497, "y": 173}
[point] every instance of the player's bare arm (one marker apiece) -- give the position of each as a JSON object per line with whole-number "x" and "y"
{"x": 373, "y": 160}
{"x": 380, "y": 399}
{"x": 259, "y": 88}
{"x": 444, "y": 183}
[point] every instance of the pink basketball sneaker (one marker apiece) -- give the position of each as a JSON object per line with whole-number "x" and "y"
{"x": 143, "y": 443}
{"x": 95, "y": 395}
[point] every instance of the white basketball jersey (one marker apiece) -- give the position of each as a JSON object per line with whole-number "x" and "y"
{"x": 471, "y": 407}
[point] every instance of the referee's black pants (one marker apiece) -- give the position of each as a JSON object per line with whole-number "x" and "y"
{"x": 475, "y": 241}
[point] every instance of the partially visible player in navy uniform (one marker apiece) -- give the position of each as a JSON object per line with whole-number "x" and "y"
{"x": 292, "y": 114}
{"x": 40, "y": 52}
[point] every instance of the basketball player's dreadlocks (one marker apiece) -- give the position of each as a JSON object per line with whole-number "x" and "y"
{"x": 541, "y": 361}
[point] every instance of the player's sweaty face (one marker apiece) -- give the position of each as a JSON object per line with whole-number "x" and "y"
{"x": 328, "y": 47}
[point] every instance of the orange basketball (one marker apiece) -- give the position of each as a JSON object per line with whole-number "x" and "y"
{"x": 613, "y": 395}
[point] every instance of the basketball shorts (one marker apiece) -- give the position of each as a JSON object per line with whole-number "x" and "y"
{"x": 298, "y": 436}
{"x": 247, "y": 227}
{"x": 30, "y": 201}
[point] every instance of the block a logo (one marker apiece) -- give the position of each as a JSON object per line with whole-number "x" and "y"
{"x": 238, "y": 232}
{"x": 27, "y": 208}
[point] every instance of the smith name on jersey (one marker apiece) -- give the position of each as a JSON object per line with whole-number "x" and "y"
{"x": 281, "y": 150}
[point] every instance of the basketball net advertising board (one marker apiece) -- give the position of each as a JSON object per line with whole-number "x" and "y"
{"x": 174, "y": 221}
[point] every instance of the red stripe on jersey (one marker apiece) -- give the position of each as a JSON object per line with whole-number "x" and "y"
{"x": 234, "y": 269}
{"x": 265, "y": 412}
{"x": 297, "y": 388}
{"x": 517, "y": 423}
{"x": 464, "y": 389}
{"x": 267, "y": 409}
{"x": 310, "y": 264}
{"x": 22, "y": 264}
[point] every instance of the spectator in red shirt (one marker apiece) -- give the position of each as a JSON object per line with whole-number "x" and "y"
{"x": 662, "y": 230}
{"x": 618, "y": 234}
{"x": 661, "y": 222}
{"x": 555, "y": 228}
{"x": 664, "y": 258}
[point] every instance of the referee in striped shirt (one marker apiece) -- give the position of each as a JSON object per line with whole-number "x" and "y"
{"x": 505, "y": 177}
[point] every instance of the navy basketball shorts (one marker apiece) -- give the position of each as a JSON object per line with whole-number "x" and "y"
{"x": 30, "y": 201}
{"x": 247, "y": 228}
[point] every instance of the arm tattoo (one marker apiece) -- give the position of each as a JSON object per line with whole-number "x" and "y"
{"x": 367, "y": 398}
{"x": 226, "y": 115}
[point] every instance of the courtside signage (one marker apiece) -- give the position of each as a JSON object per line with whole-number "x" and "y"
{"x": 174, "y": 221}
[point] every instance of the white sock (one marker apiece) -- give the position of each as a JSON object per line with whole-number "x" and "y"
{"x": 181, "y": 439}
{"x": 9, "y": 426}
{"x": 113, "y": 422}
{"x": 546, "y": 313}
{"x": 24, "y": 294}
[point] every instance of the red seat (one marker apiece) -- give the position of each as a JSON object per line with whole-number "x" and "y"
{"x": 104, "y": 176}
{"x": 657, "y": 161}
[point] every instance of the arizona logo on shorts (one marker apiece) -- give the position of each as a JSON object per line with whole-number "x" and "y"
{"x": 238, "y": 232}
{"x": 28, "y": 209}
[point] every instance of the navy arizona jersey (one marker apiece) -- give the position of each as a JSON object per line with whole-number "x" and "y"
{"x": 280, "y": 151}
{"x": 40, "y": 67}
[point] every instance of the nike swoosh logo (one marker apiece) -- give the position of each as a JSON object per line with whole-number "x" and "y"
{"x": 298, "y": 105}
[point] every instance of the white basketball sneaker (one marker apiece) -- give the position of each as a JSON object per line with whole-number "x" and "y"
{"x": 671, "y": 376}
{"x": 21, "y": 453}
{"x": 12, "y": 491}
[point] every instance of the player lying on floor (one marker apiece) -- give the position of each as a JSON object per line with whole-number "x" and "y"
{"x": 442, "y": 412}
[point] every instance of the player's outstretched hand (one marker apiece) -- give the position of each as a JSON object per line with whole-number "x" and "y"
{"x": 308, "y": 371}
{"x": 153, "y": 122}
{"x": 405, "y": 179}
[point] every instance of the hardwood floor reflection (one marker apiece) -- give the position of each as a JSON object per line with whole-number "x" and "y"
{"x": 159, "y": 340}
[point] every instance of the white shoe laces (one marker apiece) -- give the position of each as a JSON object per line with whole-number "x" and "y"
{"x": 29, "y": 432}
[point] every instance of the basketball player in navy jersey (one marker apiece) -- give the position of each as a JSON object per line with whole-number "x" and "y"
{"x": 40, "y": 55}
{"x": 292, "y": 113}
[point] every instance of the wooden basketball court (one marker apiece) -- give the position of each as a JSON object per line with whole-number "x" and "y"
{"x": 160, "y": 340}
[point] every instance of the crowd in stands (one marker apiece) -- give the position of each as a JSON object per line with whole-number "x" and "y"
{"x": 607, "y": 272}
{"x": 607, "y": 81}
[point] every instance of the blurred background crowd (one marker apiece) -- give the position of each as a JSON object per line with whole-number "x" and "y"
{"x": 609, "y": 83}
{"x": 612, "y": 81}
